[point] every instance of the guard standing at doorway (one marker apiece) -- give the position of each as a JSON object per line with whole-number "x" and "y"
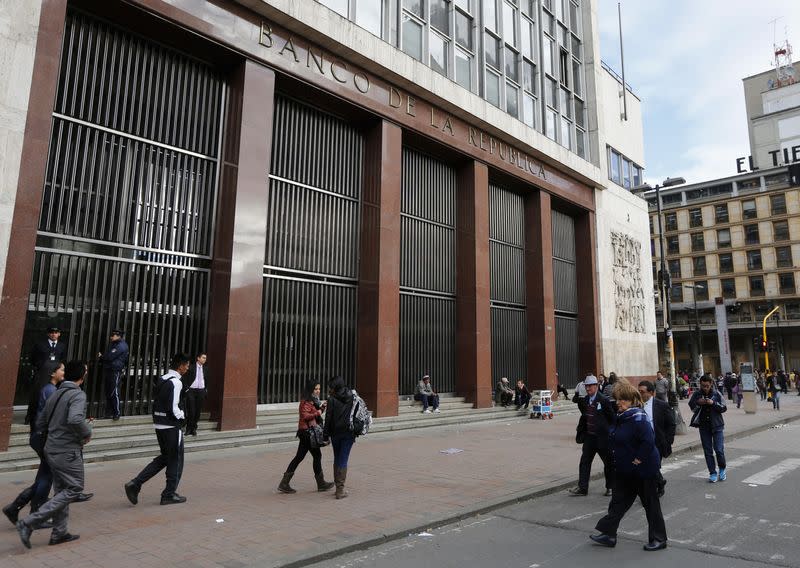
{"x": 113, "y": 361}
{"x": 47, "y": 350}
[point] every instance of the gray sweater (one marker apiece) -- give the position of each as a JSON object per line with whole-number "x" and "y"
{"x": 68, "y": 427}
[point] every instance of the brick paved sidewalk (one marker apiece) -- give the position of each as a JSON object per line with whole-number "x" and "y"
{"x": 398, "y": 483}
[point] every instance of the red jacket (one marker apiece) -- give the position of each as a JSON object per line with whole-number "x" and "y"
{"x": 308, "y": 415}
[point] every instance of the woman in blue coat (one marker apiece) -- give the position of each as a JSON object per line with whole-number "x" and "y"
{"x": 636, "y": 464}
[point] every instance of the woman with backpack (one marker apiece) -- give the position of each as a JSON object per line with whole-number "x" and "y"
{"x": 338, "y": 431}
{"x": 310, "y": 419}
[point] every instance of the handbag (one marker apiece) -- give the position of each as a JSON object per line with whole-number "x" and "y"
{"x": 695, "y": 421}
{"x": 316, "y": 438}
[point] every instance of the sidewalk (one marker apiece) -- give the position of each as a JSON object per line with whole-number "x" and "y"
{"x": 398, "y": 482}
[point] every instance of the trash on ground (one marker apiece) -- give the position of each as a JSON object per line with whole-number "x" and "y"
{"x": 425, "y": 533}
{"x": 220, "y": 520}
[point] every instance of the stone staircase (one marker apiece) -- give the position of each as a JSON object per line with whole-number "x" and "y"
{"x": 132, "y": 436}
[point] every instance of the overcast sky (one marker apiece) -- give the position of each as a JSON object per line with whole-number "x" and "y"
{"x": 686, "y": 60}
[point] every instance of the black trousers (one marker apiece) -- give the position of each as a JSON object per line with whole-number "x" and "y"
{"x": 590, "y": 449}
{"x": 303, "y": 448}
{"x": 626, "y": 489}
{"x": 170, "y": 441}
{"x": 194, "y": 404}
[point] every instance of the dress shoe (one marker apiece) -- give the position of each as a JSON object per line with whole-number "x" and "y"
{"x": 132, "y": 492}
{"x": 604, "y": 540}
{"x": 83, "y": 497}
{"x": 173, "y": 499}
{"x": 25, "y": 533}
{"x": 63, "y": 538}
{"x": 578, "y": 491}
{"x": 607, "y": 493}
{"x": 115, "y": 418}
{"x": 655, "y": 545}
{"x": 12, "y": 513}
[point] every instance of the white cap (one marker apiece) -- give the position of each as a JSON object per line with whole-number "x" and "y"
{"x": 590, "y": 380}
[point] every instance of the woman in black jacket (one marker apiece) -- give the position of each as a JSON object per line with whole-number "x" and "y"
{"x": 337, "y": 430}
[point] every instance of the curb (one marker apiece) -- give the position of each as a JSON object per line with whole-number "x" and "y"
{"x": 368, "y": 541}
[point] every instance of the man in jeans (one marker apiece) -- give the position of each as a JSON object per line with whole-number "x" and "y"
{"x": 708, "y": 406}
{"x": 427, "y": 395}
{"x": 63, "y": 421}
{"x": 662, "y": 387}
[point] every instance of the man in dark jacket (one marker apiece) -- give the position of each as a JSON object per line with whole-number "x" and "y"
{"x": 46, "y": 350}
{"x": 113, "y": 361}
{"x": 195, "y": 382}
{"x": 63, "y": 421}
{"x": 598, "y": 418}
{"x": 662, "y": 419}
{"x": 168, "y": 420}
{"x": 708, "y": 407}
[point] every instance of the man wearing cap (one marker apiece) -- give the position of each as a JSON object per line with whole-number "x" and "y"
{"x": 597, "y": 418}
{"x": 427, "y": 395}
{"x": 112, "y": 362}
{"x": 503, "y": 393}
{"x": 44, "y": 351}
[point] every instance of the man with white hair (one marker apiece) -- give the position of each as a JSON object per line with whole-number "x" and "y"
{"x": 593, "y": 426}
{"x": 503, "y": 393}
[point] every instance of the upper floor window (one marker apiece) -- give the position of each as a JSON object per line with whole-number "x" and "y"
{"x": 751, "y": 234}
{"x": 778, "y": 203}
{"x": 749, "y": 209}
{"x": 673, "y": 247}
{"x": 701, "y": 290}
{"x": 623, "y": 171}
{"x": 756, "y": 285}
{"x": 780, "y": 230}
{"x": 786, "y": 282}
{"x": 699, "y": 266}
{"x": 695, "y": 218}
{"x": 754, "y": 260}
{"x": 783, "y": 257}
{"x": 366, "y": 13}
{"x": 675, "y": 268}
{"x": 726, "y": 263}
{"x": 728, "y": 288}
{"x": 671, "y": 221}
{"x": 723, "y": 238}
{"x": 676, "y": 294}
{"x": 721, "y": 213}
{"x": 698, "y": 243}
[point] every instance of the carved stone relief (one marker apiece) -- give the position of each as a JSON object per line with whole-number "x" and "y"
{"x": 629, "y": 298}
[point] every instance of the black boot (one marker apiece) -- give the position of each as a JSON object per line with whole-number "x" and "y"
{"x": 12, "y": 511}
{"x": 322, "y": 485}
{"x": 340, "y": 476}
{"x": 284, "y": 486}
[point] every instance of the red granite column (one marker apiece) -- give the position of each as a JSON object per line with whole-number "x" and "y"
{"x": 234, "y": 327}
{"x": 589, "y": 346}
{"x": 27, "y": 204}
{"x": 540, "y": 295}
{"x": 379, "y": 272}
{"x": 473, "y": 316}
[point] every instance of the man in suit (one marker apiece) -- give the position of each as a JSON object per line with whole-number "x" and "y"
{"x": 47, "y": 350}
{"x": 195, "y": 384}
{"x": 598, "y": 417}
{"x": 113, "y": 361}
{"x": 662, "y": 419}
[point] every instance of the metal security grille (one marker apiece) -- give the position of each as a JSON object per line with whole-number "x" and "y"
{"x": 427, "y": 272}
{"x": 125, "y": 232}
{"x": 507, "y": 283}
{"x": 311, "y": 261}
{"x": 565, "y": 287}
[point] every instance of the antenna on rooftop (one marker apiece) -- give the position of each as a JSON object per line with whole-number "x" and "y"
{"x": 784, "y": 70}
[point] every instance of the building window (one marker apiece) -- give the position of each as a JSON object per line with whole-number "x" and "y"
{"x": 672, "y": 245}
{"x": 754, "y": 260}
{"x": 675, "y": 268}
{"x": 726, "y": 263}
{"x": 695, "y": 218}
{"x": 781, "y": 230}
{"x": 749, "y": 209}
{"x": 652, "y": 247}
{"x": 671, "y": 221}
{"x": 676, "y": 294}
{"x": 723, "y": 238}
{"x": 721, "y": 213}
{"x": 783, "y": 257}
{"x": 728, "y": 288}
{"x": 751, "y": 234}
{"x": 699, "y": 266}
{"x": 701, "y": 290}
{"x": 698, "y": 243}
{"x": 614, "y": 166}
{"x": 786, "y": 281}
{"x": 412, "y": 33}
{"x": 778, "y": 203}
{"x": 756, "y": 285}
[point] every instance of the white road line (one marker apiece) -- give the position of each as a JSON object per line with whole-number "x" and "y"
{"x": 675, "y": 513}
{"x": 677, "y": 464}
{"x": 581, "y": 517}
{"x": 734, "y": 463}
{"x": 774, "y": 473}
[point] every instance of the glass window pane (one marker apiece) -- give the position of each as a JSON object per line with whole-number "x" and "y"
{"x": 783, "y": 256}
{"x": 549, "y": 23}
{"x": 492, "y": 46}
{"x": 463, "y": 30}
{"x": 626, "y": 174}
{"x": 580, "y": 114}
{"x": 566, "y": 133}
{"x": 492, "y": 88}
{"x": 749, "y": 209}
{"x": 615, "y": 166}
{"x": 337, "y": 6}
{"x": 552, "y": 92}
{"x": 490, "y": 14}
{"x": 550, "y": 124}
{"x": 577, "y": 82}
{"x": 566, "y": 108}
{"x": 412, "y": 37}
{"x": 465, "y": 4}
{"x": 529, "y": 79}
{"x": 525, "y": 35}
{"x": 512, "y": 65}
{"x": 528, "y": 112}
{"x": 574, "y": 18}
{"x": 414, "y": 6}
{"x": 438, "y": 47}
{"x": 547, "y": 55}
{"x": 637, "y": 174}
{"x": 576, "y": 48}
{"x": 529, "y": 7}
{"x": 580, "y": 143}
{"x": 439, "y": 16}
{"x": 463, "y": 69}
{"x": 509, "y": 17}
{"x": 369, "y": 16}
{"x": 512, "y": 100}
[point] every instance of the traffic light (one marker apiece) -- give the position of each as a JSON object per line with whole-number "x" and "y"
{"x": 772, "y": 347}
{"x": 764, "y": 346}
{"x": 756, "y": 344}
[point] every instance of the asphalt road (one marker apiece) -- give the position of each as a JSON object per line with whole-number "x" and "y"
{"x": 752, "y": 519}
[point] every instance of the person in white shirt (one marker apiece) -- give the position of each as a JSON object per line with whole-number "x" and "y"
{"x": 196, "y": 381}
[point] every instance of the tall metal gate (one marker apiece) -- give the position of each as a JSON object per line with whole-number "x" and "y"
{"x": 565, "y": 286}
{"x": 427, "y": 272}
{"x": 311, "y": 267}
{"x": 507, "y": 284}
{"x": 126, "y": 226}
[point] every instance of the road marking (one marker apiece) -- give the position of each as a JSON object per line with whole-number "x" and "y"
{"x": 675, "y": 513}
{"x": 774, "y": 473}
{"x": 738, "y": 462}
{"x": 677, "y": 464}
{"x": 581, "y": 517}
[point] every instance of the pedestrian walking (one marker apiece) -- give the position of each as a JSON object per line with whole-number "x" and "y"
{"x": 708, "y": 407}
{"x": 112, "y": 362}
{"x": 168, "y": 420}
{"x": 662, "y": 387}
{"x": 196, "y": 382}
{"x": 337, "y": 430}
{"x": 310, "y": 410}
{"x": 593, "y": 429}
{"x": 636, "y": 467}
{"x": 774, "y": 392}
{"x": 607, "y": 388}
{"x": 762, "y": 386}
{"x": 662, "y": 419}
{"x": 63, "y": 423}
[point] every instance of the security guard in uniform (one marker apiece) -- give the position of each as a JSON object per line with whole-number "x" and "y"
{"x": 113, "y": 361}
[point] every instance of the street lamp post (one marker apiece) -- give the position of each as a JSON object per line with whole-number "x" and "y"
{"x": 664, "y": 284}
{"x": 697, "y": 332}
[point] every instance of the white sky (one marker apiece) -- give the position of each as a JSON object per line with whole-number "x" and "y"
{"x": 686, "y": 60}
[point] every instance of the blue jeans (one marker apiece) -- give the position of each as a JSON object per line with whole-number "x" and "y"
{"x": 776, "y": 400}
{"x": 713, "y": 442}
{"x": 342, "y": 444}
{"x": 428, "y": 400}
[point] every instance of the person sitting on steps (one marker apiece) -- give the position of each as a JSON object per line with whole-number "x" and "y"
{"x": 427, "y": 395}
{"x": 503, "y": 393}
{"x": 522, "y": 396}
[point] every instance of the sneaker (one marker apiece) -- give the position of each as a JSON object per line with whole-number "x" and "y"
{"x": 712, "y": 478}
{"x": 436, "y": 411}
{"x": 723, "y": 474}
{"x": 426, "y": 411}
{"x": 578, "y": 491}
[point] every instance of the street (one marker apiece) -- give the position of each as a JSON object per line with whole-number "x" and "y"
{"x": 748, "y": 520}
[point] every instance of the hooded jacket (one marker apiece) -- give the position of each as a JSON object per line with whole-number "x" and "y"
{"x": 68, "y": 428}
{"x": 337, "y": 413}
{"x": 632, "y": 438}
